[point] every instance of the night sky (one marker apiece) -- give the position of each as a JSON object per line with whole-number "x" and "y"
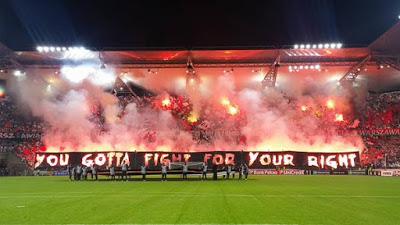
{"x": 167, "y": 24}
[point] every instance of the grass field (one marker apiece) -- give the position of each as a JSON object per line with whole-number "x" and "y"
{"x": 260, "y": 200}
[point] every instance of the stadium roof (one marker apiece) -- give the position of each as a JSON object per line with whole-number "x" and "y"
{"x": 168, "y": 58}
{"x": 384, "y": 62}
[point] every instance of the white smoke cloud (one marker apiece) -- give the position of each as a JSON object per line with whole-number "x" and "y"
{"x": 274, "y": 120}
{"x": 92, "y": 72}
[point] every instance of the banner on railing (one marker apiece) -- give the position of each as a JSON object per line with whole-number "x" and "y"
{"x": 154, "y": 160}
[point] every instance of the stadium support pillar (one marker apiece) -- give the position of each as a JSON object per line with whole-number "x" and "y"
{"x": 270, "y": 78}
{"x": 354, "y": 71}
{"x": 388, "y": 60}
{"x": 121, "y": 88}
{"x": 8, "y": 59}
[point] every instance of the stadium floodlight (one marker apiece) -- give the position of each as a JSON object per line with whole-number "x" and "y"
{"x": 78, "y": 53}
{"x": 332, "y": 45}
{"x": 69, "y": 53}
{"x": 304, "y": 67}
{"x": 19, "y": 73}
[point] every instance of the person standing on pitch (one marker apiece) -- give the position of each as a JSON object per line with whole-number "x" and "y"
{"x": 124, "y": 170}
{"x": 245, "y": 171}
{"x": 84, "y": 173}
{"x": 73, "y": 171}
{"x": 185, "y": 171}
{"x": 78, "y": 172}
{"x": 163, "y": 172}
{"x": 94, "y": 171}
{"x": 112, "y": 172}
{"x": 143, "y": 172}
{"x": 204, "y": 174}
{"x": 215, "y": 172}
{"x": 241, "y": 171}
{"x": 69, "y": 169}
{"x": 228, "y": 171}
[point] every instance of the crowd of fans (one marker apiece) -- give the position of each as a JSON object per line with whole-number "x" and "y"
{"x": 20, "y": 136}
{"x": 382, "y": 111}
{"x": 12, "y": 120}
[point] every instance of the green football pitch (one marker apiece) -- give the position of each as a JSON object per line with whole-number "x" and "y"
{"x": 259, "y": 200}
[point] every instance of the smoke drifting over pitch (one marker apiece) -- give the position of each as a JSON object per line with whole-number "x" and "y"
{"x": 300, "y": 117}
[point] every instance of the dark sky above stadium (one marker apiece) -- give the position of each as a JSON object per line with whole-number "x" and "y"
{"x": 117, "y": 24}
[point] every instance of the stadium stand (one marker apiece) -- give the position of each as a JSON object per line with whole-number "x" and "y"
{"x": 382, "y": 111}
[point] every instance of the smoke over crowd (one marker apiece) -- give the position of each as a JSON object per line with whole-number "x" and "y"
{"x": 83, "y": 112}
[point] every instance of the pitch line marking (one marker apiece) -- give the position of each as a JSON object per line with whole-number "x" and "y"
{"x": 60, "y": 192}
{"x": 180, "y": 194}
{"x": 174, "y": 224}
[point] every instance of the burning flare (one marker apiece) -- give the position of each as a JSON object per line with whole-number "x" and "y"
{"x": 225, "y": 101}
{"x": 192, "y": 118}
{"x": 2, "y": 92}
{"x": 230, "y": 108}
{"x": 330, "y": 104}
{"x": 233, "y": 110}
{"x": 166, "y": 102}
{"x": 338, "y": 117}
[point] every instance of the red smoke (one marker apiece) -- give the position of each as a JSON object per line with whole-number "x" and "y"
{"x": 216, "y": 114}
